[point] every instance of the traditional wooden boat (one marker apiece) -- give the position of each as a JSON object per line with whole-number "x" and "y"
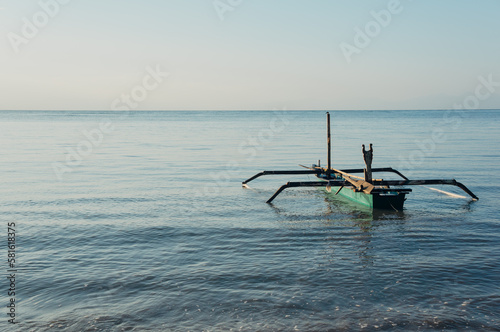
{"x": 374, "y": 193}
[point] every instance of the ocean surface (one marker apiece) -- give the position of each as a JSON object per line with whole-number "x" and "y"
{"x": 137, "y": 221}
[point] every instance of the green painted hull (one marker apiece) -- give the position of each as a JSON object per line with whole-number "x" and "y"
{"x": 384, "y": 201}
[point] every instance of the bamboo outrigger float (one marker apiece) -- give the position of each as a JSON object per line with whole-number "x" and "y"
{"x": 374, "y": 193}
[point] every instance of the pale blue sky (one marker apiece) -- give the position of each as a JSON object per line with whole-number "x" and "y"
{"x": 264, "y": 54}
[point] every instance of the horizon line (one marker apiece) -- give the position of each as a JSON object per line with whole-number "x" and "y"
{"x": 252, "y": 110}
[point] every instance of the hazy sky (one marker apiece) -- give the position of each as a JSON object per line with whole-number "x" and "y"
{"x": 249, "y": 54}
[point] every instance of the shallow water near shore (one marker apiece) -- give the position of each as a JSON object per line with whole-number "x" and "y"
{"x": 138, "y": 221}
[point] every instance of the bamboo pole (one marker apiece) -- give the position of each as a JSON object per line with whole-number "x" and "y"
{"x": 329, "y": 166}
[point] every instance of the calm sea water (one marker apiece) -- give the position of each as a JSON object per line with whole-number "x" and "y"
{"x": 138, "y": 221}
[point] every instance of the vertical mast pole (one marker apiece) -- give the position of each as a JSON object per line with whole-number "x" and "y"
{"x": 329, "y": 142}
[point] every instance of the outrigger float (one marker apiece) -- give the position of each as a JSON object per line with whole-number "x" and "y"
{"x": 374, "y": 193}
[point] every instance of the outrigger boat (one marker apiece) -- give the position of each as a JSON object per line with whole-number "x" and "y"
{"x": 374, "y": 193}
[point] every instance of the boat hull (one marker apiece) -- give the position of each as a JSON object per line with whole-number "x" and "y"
{"x": 393, "y": 200}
